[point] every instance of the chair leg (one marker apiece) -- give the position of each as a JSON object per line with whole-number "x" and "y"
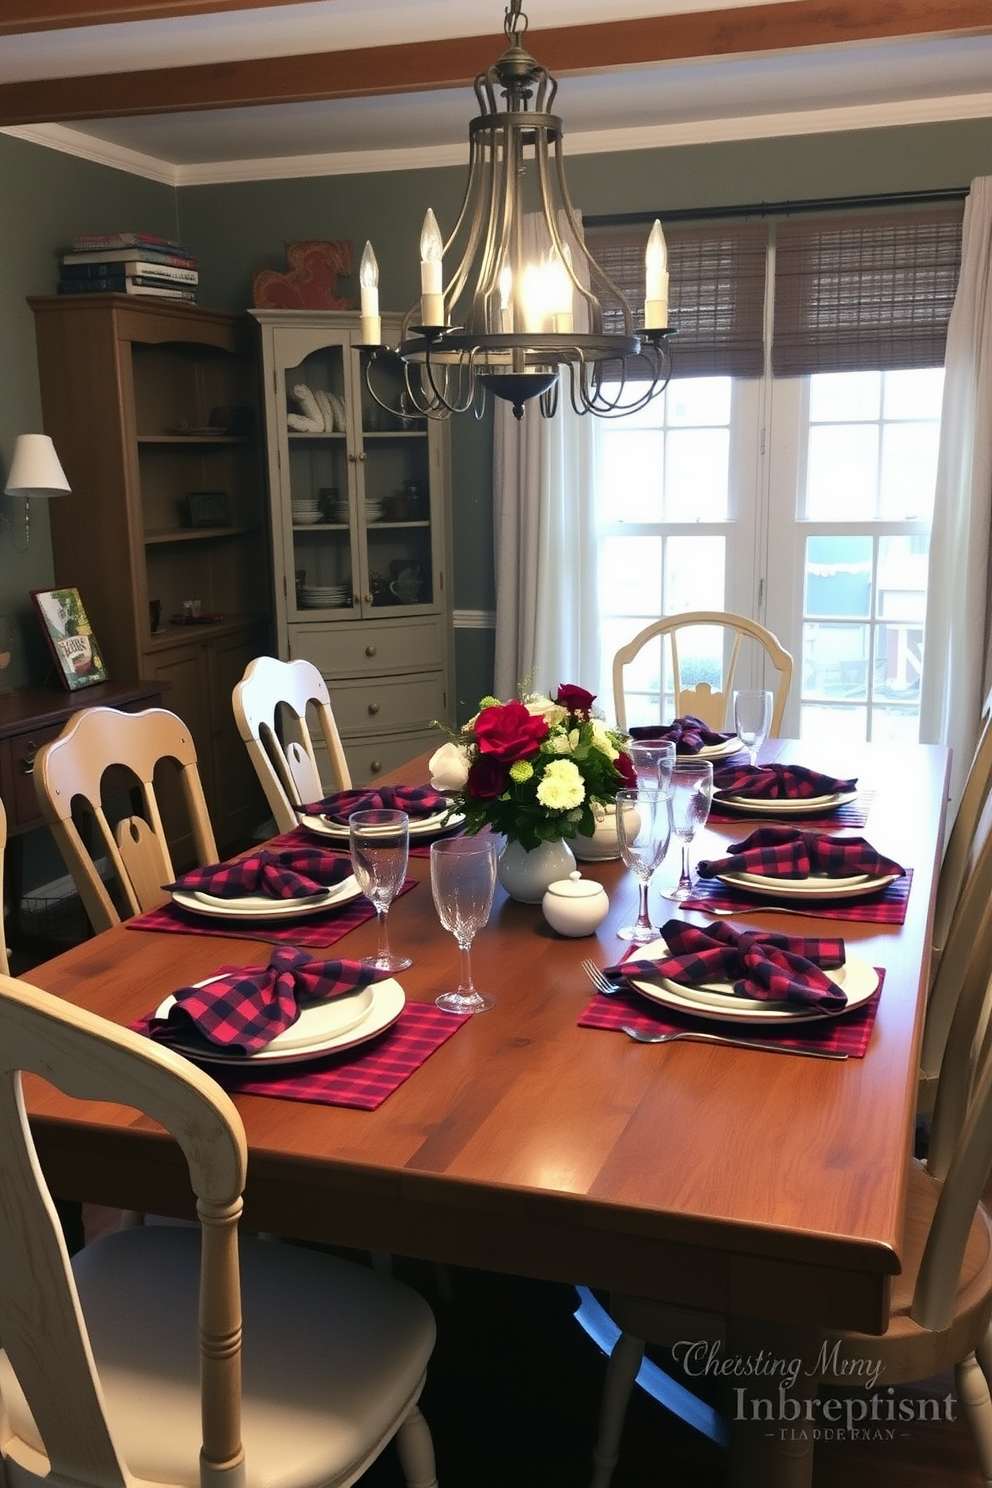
{"x": 973, "y": 1393}
{"x": 416, "y": 1451}
{"x": 621, "y": 1372}
{"x": 983, "y": 1353}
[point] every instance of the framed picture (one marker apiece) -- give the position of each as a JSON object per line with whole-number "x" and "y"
{"x": 70, "y": 637}
{"x": 208, "y": 509}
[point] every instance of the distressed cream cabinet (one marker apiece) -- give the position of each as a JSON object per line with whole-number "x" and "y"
{"x": 360, "y": 512}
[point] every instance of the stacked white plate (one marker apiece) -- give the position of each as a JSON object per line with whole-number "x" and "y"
{"x": 305, "y": 512}
{"x": 337, "y": 509}
{"x": 373, "y": 508}
{"x": 322, "y": 596}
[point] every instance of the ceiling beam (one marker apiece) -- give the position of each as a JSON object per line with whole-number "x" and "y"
{"x": 454, "y": 62}
{"x": 20, "y": 16}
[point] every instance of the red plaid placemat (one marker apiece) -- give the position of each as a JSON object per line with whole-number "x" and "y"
{"x": 361, "y": 1077}
{"x": 885, "y": 907}
{"x": 854, "y": 814}
{"x": 315, "y": 931}
{"x": 845, "y": 1033}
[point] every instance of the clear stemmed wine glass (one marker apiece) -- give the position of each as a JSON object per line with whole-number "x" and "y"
{"x": 692, "y": 792}
{"x": 644, "y": 828}
{"x": 752, "y": 720}
{"x": 463, "y": 877}
{"x": 652, "y": 760}
{"x": 380, "y": 845}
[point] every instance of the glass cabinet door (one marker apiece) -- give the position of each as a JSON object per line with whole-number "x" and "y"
{"x": 323, "y": 492}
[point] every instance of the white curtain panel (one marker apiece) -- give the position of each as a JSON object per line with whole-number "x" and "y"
{"x": 956, "y": 671}
{"x": 547, "y": 610}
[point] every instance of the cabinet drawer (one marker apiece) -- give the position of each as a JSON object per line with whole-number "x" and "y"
{"x": 357, "y": 650}
{"x": 19, "y": 796}
{"x": 388, "y": 704}
{"x": 368, "y": 759}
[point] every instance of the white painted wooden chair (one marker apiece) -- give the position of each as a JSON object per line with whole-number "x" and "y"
{"x": 102, "y": 1384}
{"x": 270, "y": 706}
{"x": 700, "y": 698}
{"x": 942, "y": 1299}
{"x": 959, "y": 854}
{"x": 71, "y": 769}
{"x": 4, "y": 964}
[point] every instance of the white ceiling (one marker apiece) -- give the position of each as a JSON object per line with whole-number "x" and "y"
{"x": 812, "y": 89}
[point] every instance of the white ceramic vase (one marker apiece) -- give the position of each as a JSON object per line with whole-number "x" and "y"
{"x": 525, "y": 873}
{"x": 603, "y": 843}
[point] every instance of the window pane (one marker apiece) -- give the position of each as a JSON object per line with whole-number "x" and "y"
{"x": 624, "y": 492}
{"x": 698, "y": 475}
{"x": 909, "y": 470}
{"x": 835, "y": 662}
{"x": 630, "y": 576}
{"x": 895, "y": 725}
{"x": 698, "y": 400}
{"x": 842, "y": 476}
{"x": 842, "y": 396}
{"x": 838, "y": 576}
{"x": 841, "y": 724}
{"x": 913, "y": 395}
{"x": 695, "y": 574}
{"x": 902, "y": 577}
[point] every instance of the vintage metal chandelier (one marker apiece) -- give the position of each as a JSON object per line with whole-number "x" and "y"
{"x": 511, "y": 322}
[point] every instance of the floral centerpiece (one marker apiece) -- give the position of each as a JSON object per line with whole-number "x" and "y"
{"x": 534, "y": 769}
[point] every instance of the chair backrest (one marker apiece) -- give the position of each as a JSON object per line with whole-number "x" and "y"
{"x": 701, "y": 698}
{"x": 41, "y": 1325}
{"x": 963, "y": 944}
{"x": 71, "y": 769}
{"x": 270, "y": 707}
{"x": 958, "y": 858}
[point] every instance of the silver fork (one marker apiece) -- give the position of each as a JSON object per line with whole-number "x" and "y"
{"x": 693, "y": 1036}
{"x": 600, "y": 982}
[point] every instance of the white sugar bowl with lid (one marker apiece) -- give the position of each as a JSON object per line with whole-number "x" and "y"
{"x": 575, "y": 905}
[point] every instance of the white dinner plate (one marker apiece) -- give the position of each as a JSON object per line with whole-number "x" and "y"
{"x": 386, "y": 1002}
{"x": 715, "y": 1000}
{"x": 259, "y": 907}
{"x": 815, "y": 887}
{"x": 714, "y": 751}
{"x": 811, "y": 806}
{"x": 420, "y": 827}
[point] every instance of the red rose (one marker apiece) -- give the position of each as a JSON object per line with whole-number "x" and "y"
{"x": 509, "y": 733}
{"x": 626, "y": 771}
{"x": 487, "y": 779}
{"x": 575, "y": 699}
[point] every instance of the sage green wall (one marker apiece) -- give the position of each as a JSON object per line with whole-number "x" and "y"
{"x": 47, "y": 198}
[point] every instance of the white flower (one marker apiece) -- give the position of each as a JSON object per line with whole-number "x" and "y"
{"x": 449, "y": 768}
{"x": 602, "y": 741}
{"x": 562, "y": 786}
{"x": 542, "y": 707}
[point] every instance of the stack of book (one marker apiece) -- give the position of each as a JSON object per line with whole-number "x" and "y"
{"x": 129, "y": 263}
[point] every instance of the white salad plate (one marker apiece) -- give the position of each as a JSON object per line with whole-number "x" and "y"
{"x": 716, "y": 1001}
{"x": 260, "y": 907}
{"x": 419, "y": 827}
{"x": 322, "y": 1028}
{"x": 811, "y": 806}
{"x": 714, "y": 751}
{"x": 817, "y": 886}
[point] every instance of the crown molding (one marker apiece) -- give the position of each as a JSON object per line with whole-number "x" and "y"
{"x": 655, "y": 137}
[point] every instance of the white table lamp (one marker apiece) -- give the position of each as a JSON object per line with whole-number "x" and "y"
{"x": 35, "y": 471}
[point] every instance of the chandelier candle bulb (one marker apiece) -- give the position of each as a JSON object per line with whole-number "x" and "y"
{"x": 431, "y": 270}
{"x": 560, "y": 284}
{"x": 368, "y": 278}
{"x": 656, "y": 281}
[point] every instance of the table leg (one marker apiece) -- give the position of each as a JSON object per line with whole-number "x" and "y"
{"x": 772, "y": 1384}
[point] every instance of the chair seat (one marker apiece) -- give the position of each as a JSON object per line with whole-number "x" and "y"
{"x": 316, "y": 1329}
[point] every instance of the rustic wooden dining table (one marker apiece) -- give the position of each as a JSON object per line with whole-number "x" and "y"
{"x": 766, "y": 1186}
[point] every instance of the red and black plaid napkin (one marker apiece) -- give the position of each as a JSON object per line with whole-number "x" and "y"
{"x": 292, "y": 873}
{"x": 776, "y": 783}
{"x": 415, "y": 800}
{"x": 759, "y": 964}
{"x": 787, "y": 852}
{"x": 242, "y": 1011}
{"x": 689, "y": 734}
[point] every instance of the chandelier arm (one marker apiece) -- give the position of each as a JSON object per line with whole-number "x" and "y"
{"x": 472, "y": 204}
{"x": 574, "y": 227}
{"x": 597, "y": 275}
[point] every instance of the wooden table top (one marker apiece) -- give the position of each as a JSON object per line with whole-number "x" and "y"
{"x": 759, "y": 1184}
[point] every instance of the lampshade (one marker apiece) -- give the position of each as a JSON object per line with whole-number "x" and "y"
{"x": 36, "y": 470}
